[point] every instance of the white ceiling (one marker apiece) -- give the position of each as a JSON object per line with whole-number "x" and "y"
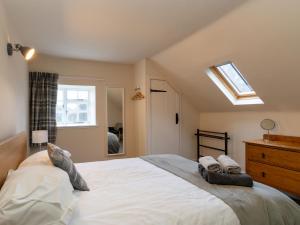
{"x": 262, "y": 38}
{"x": 184, "y": 37}
{"x": 111, "y": 30}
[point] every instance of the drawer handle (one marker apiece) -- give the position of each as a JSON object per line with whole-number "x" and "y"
{"x": 263, "y": 155}
{"x": 263, "y": 174}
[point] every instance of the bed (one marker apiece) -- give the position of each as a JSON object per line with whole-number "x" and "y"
{"x": 162, "y": 189}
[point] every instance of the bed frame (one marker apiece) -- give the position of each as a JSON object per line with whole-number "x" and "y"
{"x": 12, "y": 152}
{"x": 213, "y": 135}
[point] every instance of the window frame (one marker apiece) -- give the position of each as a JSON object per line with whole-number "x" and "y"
{"x": 91, "y": 102}
{"x": 231, "y": 84}
{"x": 228, "y": 88}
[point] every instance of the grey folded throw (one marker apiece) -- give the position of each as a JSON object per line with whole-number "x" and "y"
{"x": 242, "y": 179}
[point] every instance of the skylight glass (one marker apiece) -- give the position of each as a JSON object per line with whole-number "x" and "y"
{"x": 235, "y": 78}
{"x": 234, "y": 86}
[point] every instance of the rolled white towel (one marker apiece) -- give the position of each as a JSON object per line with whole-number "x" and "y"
{"x": 229, "y": 165}
{"x": 210, "y": 164}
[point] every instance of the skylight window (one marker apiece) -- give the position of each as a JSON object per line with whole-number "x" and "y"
{"x": 235, "y": 78}
{"x": 232, "y": 83}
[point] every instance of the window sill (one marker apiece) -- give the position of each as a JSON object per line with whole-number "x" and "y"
{"x": 76, "y": 126}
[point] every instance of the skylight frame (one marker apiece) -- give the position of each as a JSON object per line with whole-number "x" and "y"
{"x": 231, "y": 83}
{"x": 229, "y": 90}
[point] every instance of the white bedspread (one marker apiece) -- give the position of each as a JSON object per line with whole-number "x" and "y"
{"x": 134, "y": 192}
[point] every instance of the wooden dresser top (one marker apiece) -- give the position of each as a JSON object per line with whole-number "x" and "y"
{"x": 278, "y": 141}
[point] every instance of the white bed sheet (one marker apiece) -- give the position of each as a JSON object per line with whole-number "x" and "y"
{"x": 135, "y": 192}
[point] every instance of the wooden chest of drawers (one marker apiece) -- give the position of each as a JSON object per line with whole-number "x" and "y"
{"x": 275, "y": 162}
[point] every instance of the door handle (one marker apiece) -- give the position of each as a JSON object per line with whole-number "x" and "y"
{"x": 176, "y": 118}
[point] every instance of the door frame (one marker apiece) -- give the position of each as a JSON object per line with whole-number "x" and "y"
{"x": 149, "y": 114}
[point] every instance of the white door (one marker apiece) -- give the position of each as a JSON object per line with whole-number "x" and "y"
{"x": 164, "y": 118}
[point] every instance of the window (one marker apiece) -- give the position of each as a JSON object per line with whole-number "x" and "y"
{"x": 76, "y": 105}
{"x": 233, "y": 84}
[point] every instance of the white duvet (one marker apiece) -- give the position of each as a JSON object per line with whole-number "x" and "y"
{"x": 135, "y": 192}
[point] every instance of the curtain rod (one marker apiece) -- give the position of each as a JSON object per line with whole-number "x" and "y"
{"x": 80, "y": 77}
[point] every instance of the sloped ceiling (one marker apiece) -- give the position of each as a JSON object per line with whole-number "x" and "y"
{"x": 262, "y": 37}
{"x": 111, "y": 30}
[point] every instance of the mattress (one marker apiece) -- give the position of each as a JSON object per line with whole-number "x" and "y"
{"x": 135, "y": 192}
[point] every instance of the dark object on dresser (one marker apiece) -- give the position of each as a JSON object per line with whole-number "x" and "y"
{"x": 275, "y": 161}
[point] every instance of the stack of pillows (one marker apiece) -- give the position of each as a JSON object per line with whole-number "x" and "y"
{"x": 223, "y": 171}
{"x": 41, "y": 190}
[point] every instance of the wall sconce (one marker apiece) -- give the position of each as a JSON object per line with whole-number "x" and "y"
{"x": 27, "y": 52}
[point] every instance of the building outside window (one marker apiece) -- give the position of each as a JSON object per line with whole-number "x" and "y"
{"x": 76, "y": 105}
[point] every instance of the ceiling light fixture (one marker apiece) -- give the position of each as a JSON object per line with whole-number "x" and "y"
{"x": 27, "y": 52}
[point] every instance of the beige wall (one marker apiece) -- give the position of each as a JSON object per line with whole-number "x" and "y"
{"x": 189, "y": 115}
{"x": 246, "y": 126}
{"x": 140, "y": 108}
{"x": 89, "y": 143}
{"x": 13, "y": 84}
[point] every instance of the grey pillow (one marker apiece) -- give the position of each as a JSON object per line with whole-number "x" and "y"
{"x": 62, "y": 161}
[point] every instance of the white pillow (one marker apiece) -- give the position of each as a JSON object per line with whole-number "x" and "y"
{"x": 35, "y": 195}
{"x": 39, "y": 158}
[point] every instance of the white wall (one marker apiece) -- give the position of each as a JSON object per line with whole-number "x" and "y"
{"x": 246, "y": 126}
{"x": 90, "y": 144}
{"x": 13, "y": 84}
{"x": 140, "y": 126}
{"x": 189, "y": 125}
{"x": 261, "y": 37}
{"x": 189, "y": 115}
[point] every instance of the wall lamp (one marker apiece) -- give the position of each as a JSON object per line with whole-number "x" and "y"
{"x": 27, "y": 52}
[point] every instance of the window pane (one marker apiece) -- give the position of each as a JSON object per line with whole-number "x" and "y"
{"x": 75, "y": 105}
{"x": 235, "y": 77}
{"x": 58, "y": 117}
{"x": 72, "y": 95}
{"x": 59, "y": 106}
{"x": 72, "y": 107}
{"x": 84, "y": 95}
{"x": 83, "y": 117}
{"x": 72, "y": 118}
{"x": 83, "y": 106}
{"x": 60, "y": 95}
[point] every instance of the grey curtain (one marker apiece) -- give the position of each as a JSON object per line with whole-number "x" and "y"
{"x": 43, "y": 93}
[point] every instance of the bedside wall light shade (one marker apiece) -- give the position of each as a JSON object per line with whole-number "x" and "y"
{"x": 39, "y": 136}
{"x": 27, "y": 52}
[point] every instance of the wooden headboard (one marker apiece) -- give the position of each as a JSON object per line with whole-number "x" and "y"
{"x": 12, "y": 152}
